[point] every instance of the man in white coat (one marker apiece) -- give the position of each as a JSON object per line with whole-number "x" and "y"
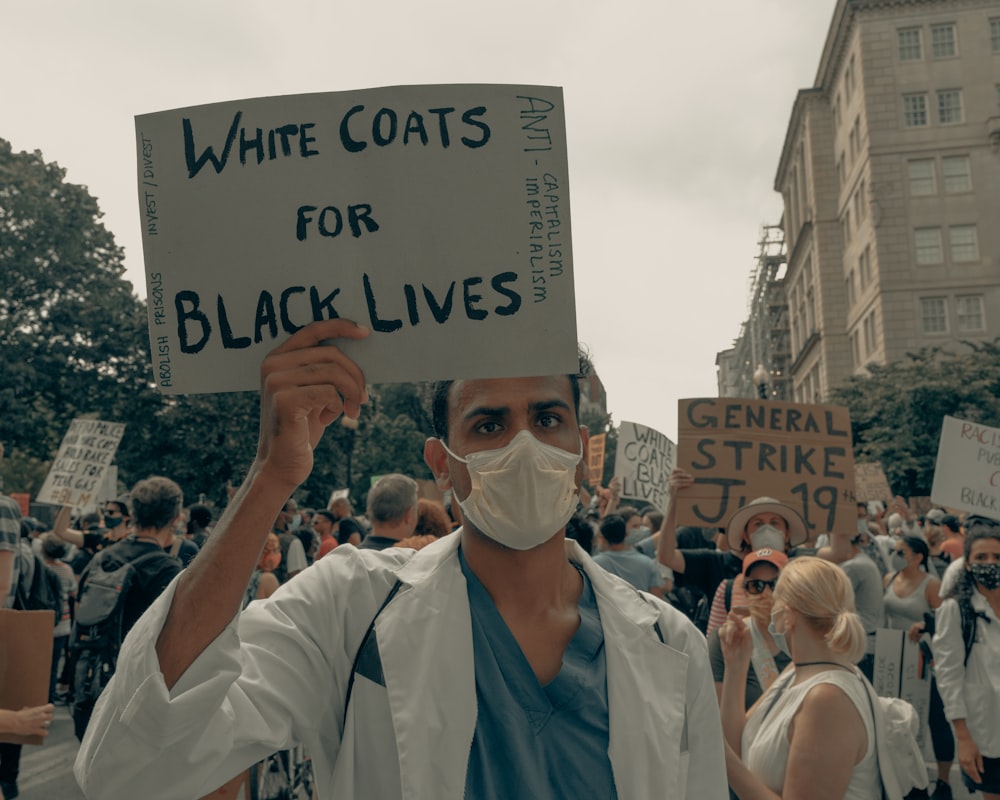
{"x": 497, "y": 662}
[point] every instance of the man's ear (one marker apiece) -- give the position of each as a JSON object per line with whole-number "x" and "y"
{"x": 436, "y": 458}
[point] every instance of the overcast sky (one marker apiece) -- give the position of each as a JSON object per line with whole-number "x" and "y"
{"x": 676, "y": 114}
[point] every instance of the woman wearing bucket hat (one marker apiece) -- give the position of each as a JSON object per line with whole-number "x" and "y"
{"x": 763, "y": 522}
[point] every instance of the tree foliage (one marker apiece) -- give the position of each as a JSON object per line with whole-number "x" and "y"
{"x": 897, "y": 411}
{"x": 73, "y": 340}
{"x": 70, "y": 326}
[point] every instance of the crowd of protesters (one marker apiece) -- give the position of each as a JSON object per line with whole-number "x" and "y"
{"x": 790, "y": 619}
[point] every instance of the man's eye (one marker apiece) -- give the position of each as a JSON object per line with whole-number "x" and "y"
{"x": 490, "y": 426}
{"x": 549, "y": 420}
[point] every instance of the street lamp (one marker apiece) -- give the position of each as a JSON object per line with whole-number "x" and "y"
{"x": 760, "y": 376}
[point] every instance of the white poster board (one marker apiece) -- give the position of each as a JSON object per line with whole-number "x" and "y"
{"x": 644, "y": 460}
{"x": 438, "y": 216}
{"x": 78, "y": 474}
{"x": 967, "y": 471}
{"x": 900, "y": 671}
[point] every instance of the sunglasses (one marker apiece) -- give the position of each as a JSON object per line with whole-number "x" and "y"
{"x": 755, "y": 586}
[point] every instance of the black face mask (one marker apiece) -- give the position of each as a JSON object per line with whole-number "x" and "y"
{"x": 112, "y": 522}
{"x": 986, "y": 575}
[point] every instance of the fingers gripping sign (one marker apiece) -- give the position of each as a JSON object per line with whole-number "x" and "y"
{"x": 306, "y": 383}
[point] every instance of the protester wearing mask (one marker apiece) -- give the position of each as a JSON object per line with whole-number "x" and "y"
{"x": 506, "y": 605}
{"x": 762, "y": 523}
{"x": 966, "y": 654}
{"x": 760, "y": 576}
{"x": 812, "y": 734}
{"x": 910, "y": 594}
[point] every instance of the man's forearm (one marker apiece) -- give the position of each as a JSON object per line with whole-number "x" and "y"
{"x": 210, "y": 591}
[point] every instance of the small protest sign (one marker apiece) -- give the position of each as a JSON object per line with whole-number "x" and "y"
{"x": 739, "y": 449}
{"x": 595, "y": 461}
{"x": 870, "y": 483}
{"x": 900, "y": 671}
{"x": 967, "y": 470}
{"x": 644, "y": 460}
{"x": 85, "y": 455}
{"x": 438, "y": 216}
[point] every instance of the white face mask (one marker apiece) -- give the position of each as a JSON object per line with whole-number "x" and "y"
{"x": 767, "y": 536}
{"x": 522, "y": 493}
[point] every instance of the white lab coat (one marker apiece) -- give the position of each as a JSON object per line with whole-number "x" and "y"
{"x": 278, "y": 675}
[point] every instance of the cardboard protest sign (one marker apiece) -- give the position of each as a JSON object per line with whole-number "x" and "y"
{"x": 595, "y": 459}
{"x": 644, "y": 460}
{"x": 78, "y": 473}
{"x": 739, "y": 449}
{"x": 967, "y": 471}
{"x": 438, "y": 216}
{"x": 900, "y": 671}
{"x": 870, "y": 483}
{"x": 25, "y": 663}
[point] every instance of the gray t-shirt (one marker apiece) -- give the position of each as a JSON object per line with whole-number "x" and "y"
{"x": 869, "y": 596}
{"x": 634, "y": 567}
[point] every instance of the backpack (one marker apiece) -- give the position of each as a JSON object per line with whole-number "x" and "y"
{"x": 970, "y": 618}
{"x": 44, "y": 594}
{"x": 97, "y": 631}
{"x": 693, "y": 603}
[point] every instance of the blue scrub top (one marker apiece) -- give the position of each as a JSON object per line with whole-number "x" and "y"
{"x": 533, "y": 740}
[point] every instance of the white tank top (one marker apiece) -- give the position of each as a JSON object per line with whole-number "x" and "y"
{"x": 766, "y": 744}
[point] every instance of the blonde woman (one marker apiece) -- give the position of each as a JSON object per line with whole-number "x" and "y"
{"x": 811, "y": 735}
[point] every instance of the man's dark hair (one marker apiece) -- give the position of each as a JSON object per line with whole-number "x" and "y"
{"x": 950, "y": 521}
{"x": 200, "y": 515}
{"x": 613, "y": 529}
{"x": 578, "y": 528}
{"x": 157, "y": 501}
{"x": 440, "y": 389}
{"x": 90, "y": 521}
{"x": 327, "y": 515}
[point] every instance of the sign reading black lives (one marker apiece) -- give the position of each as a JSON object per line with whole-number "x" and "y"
{"x": 739, "y": 449}
{"x": 438, "y": 216}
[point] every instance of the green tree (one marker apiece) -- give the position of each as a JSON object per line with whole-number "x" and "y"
{"x": 897, "y": 411}
{"x": 71, "y": 329}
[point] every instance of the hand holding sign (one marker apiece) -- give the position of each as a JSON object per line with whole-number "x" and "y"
{"x": 306, "y": 385}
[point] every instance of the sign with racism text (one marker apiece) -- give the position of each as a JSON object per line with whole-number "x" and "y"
{"x": 438, "y": 216}
{"x": 739, "y": 449}
{"x": 870, "y": 483}
{"x": 78, "y": 475}
{"x": 595, "y": 458}
{"x": 644, "y": 460}
{"x": 901, "y": 671}
{"x": 967, "y": 471}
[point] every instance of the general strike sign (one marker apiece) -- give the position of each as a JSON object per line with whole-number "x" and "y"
{"x": 739, "y": 449}
{"x": 438, "y": 216}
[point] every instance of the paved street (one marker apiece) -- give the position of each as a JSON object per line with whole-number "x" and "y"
{"x": 47, "y": 771}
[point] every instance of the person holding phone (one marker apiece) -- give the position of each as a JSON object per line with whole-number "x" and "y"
{"x": 760, "y": 575}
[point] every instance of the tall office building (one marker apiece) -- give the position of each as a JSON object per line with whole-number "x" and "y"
{"x": 890, "y": 174}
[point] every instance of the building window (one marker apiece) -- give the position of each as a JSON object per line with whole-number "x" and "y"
{"x": 861, "y": 201}
{"x": 943, "y": 41}
{"x": 865, "y": 266}
{"x": 927, "y": 242}
{"x": 909, "y": 44}
{"x": 995, "y": 35}
{"x": 855, "y": 351}
{"x": 949, "y": 103}
{"x": 955, "y": 173}
{"x": 846, "y": 225}
{"x": 850, "y": 289}
{"x": 921, "y": 174}
{"x": 934, "y": 315}
{"x": 915, "y": 110}
{"x": 868, "y": 324}
{"x": 969, "y": 313}
{"x": 964, "y": 243}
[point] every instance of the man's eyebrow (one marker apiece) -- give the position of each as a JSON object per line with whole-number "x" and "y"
{"x": 546, "y": 405}
{"x": 486, "y": 411}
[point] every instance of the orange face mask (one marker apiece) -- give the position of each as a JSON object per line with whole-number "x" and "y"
{"x": 271, "y": 556}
